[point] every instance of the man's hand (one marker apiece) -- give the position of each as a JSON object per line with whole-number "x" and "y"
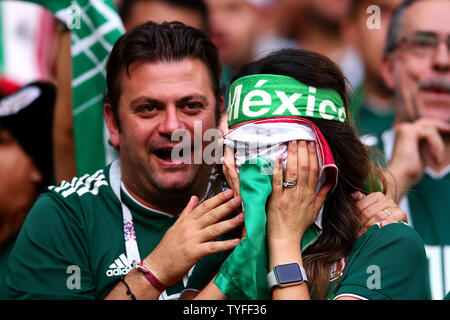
{"x": 372, "y": 208}
{"x": 417, "y": 145}
{"x": 190, "y": 238}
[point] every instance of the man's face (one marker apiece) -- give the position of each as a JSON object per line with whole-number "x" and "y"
{"x": 422, "y": 81}
{"x": 156, "y": 100}
{"x": 370, "y": 41}
{"x": 17, "y": 190}
{"x": 233, "y": 26}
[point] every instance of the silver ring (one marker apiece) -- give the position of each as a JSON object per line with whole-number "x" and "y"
{"x": 387, "y": 212}
{"x": 289, "y": 184}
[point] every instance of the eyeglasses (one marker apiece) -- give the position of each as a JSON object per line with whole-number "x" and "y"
{"x": 421, "y": 44}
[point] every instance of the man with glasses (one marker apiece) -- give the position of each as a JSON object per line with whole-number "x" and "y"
{"x": 417, "y": 67}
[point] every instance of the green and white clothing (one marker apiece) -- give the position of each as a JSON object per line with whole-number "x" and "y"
{"x": 369, "y": 122}
{"x": 385, "y": 263}
{"x": 427, "y": 206}
{"x": 72, "y": 243}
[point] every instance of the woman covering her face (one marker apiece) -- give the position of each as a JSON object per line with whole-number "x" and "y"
{"x": 300, "y": 169}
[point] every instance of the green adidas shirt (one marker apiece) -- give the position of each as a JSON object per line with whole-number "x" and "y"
{"x": 72, "y": 245}
{"x": 427, "y": 206}
{"x": 385, "y": 263}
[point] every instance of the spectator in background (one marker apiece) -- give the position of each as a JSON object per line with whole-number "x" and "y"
{"x": 28, "y": 45}
{"x": 316, "y": 25}
{"x": 416, "y": 66}
{"x": 190, "y": 12}
{"x": 243, "y": 30}
{"x": 26, "y": 164}
{"x": 372, "y": 105}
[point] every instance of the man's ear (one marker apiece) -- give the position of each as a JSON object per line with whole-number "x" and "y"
{"x": 111, "y": 123}
{"x": 387, "y": 71}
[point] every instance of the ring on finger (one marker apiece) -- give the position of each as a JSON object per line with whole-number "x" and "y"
{"x": 289, "y": 184}
{"x": 387, "y": 212}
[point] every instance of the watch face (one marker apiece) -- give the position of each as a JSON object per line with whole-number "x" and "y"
{"x": 288, "y": 273}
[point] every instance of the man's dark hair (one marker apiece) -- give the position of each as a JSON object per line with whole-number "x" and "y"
{"x": 395, "y": 26}
{"x": 153, "y": 42}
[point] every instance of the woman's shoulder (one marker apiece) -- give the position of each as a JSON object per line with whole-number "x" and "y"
{"x": 395, "y": 235}
{"x": 386, "y": 262}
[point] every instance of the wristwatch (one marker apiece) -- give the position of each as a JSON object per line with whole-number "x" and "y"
{"x": 284, "y": 275}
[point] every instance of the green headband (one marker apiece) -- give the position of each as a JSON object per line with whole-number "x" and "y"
{"x": 268, "y": 95}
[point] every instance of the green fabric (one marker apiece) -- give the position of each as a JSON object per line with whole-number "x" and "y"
{"x": 387, "y": 263}
{"x": 80, "y": 224}
{"x": 369, "y": 122}
{"x": 427, "y": 206}
{"x": 100, "y": 27}
{"x": 4, "y": 255}
{"x": 243, "y": 275}
{"x": 267, "y": 95}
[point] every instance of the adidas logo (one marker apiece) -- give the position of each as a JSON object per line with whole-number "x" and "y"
{"x": 120, "y": 267}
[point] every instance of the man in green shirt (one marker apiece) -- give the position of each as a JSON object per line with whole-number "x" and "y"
{"x": 417, "y": 67}
{"x": 119, "y": 234}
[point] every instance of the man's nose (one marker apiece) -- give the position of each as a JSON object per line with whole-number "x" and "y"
{"x": 441, "y": 58}
{"x": 170, "y": 122}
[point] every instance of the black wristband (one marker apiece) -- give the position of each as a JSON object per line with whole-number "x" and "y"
{"x": 129, "y": 293}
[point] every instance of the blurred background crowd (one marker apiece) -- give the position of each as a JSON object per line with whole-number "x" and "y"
{"x": 37, "y": 144}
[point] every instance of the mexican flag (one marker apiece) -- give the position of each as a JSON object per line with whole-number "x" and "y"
{"x": 95, "y": 26}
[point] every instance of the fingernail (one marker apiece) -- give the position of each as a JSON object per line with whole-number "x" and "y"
{"x": 383, "y": 223}
{"x": 235, "y": 241}
{"x": 237, "y": 200}
{"x": 293, "y": 143}
{"x": 228, "y": 192}
{"x": 240, "y": 216}
{"x": 311, "y": 143}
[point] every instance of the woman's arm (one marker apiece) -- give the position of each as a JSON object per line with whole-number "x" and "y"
{"x": 292, "y": 210}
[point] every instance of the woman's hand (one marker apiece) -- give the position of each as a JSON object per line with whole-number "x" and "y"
{"x": 232, "y": 177}
{"x": 291, "y": 210}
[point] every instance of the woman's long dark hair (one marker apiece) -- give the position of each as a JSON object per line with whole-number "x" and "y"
{"x": 341, "y": 218}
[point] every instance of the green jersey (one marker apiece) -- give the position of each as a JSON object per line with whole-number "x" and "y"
{"x": 369, "y": 122}
{"x": 427, "y": 206}
{"x": 385, "y": 263}
{"x": 72, "y": 243}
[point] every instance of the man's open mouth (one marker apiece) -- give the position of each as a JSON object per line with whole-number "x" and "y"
{"x": 176, "y": 155}
{"x": 164, "y": 153}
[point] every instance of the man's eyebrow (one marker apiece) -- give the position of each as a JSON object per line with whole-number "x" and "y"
{"x": 424, "y": 33}
{"x": 201, "y": 98}
{"x": 143, "y": 99}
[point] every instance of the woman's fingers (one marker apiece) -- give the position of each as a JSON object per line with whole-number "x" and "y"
{"x": 313, "y": 177}
{"x": 291, "y": 162}
{"x": 302, "y": 163}
{"x": 277, "y": 183}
